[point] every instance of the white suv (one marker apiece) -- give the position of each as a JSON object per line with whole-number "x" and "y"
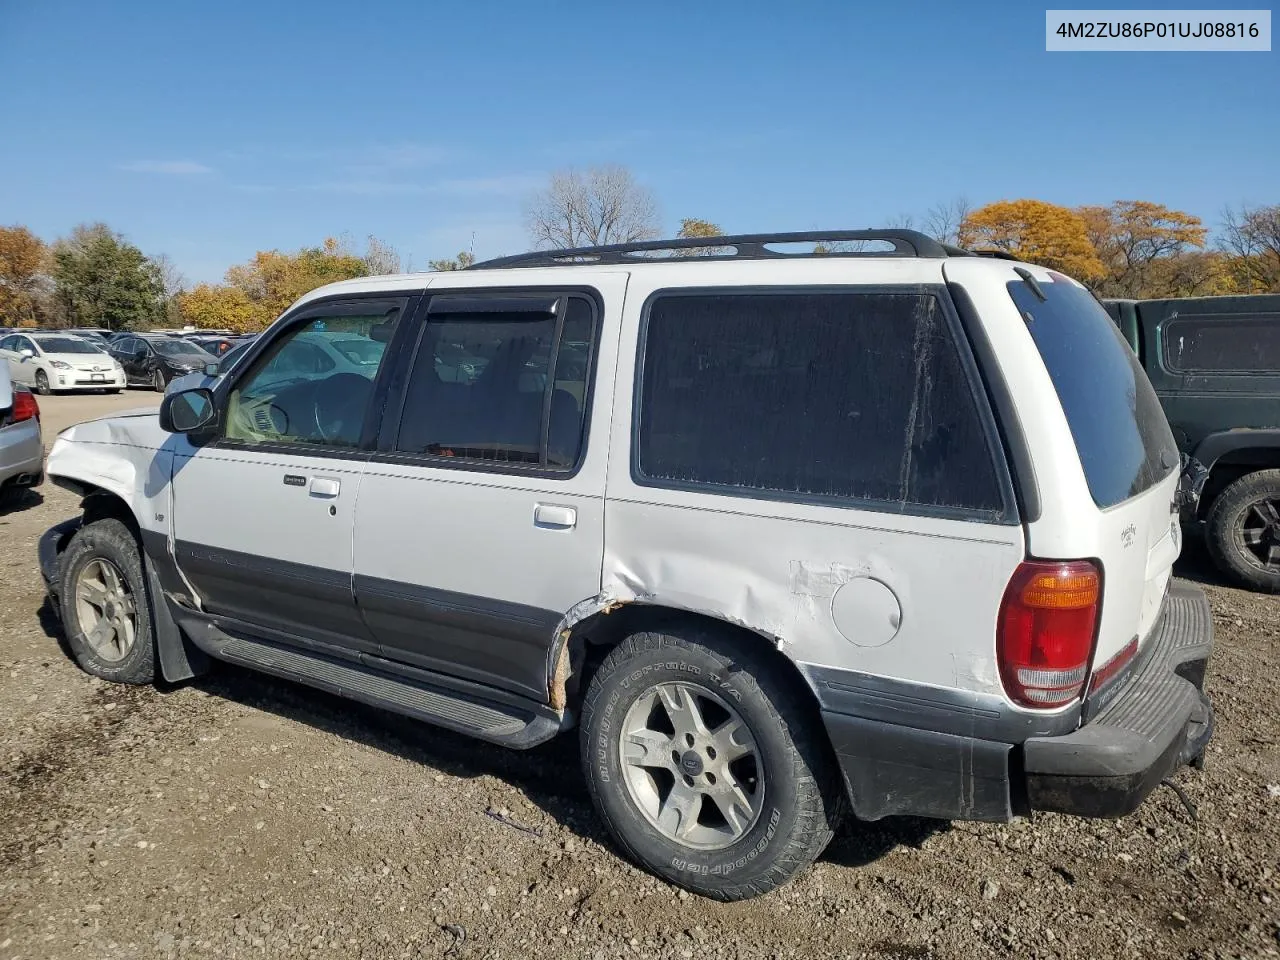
{"x": 886, "y": 528}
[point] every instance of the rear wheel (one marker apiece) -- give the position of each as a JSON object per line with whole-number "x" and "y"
{"x": 1242, "y": 530}
{"x": 42, "y": 383}
{"x": 707, "y": 764}
{"x": 104, "y": 603}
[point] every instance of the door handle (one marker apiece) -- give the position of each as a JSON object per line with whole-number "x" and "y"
{"x": 548, "y": 516}
{"x": 324, "y": 487}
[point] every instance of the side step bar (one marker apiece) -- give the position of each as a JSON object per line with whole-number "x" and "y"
{"x": 435, "y": 704}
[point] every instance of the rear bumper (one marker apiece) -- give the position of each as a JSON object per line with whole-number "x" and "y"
{"x": 907, "y": 749}
{"x": 1159, "y": 722}
{"x": 21, "y": 453}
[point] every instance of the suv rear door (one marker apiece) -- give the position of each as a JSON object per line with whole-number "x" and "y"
{"x": 481, "y": 516}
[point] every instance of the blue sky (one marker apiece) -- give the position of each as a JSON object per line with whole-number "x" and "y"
{"x": 209, "y": 131}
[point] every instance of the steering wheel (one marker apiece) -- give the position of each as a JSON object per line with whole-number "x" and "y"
{"x": 340, "y": 402}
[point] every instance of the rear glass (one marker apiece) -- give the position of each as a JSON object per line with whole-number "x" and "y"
{"x": 1121, "y": 434}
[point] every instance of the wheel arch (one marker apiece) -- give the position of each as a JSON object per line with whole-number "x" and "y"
{"x": 582, "y": 643}
{"x": 1231, "y": 454}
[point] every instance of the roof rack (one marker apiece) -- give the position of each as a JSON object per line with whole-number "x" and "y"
{"x": 747, "y": 246}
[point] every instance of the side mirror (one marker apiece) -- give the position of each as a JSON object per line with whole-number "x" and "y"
{"x": 211, "y": 369}
{"x": 26, "y": 353}
{"x": 187, "y": 411}
{"x": 140, "y": 353}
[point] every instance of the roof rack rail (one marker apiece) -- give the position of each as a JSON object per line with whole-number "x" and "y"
{"x": 994, "y": 254}
{"x": 747, "y": 246}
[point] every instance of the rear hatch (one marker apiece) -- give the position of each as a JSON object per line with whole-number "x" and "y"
{"x": 1126, "y": 450}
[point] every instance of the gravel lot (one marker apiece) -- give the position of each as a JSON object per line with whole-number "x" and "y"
{"x": 242, "y": 816}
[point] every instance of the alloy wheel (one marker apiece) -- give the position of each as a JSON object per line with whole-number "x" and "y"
{"x": 106, "y": 609}
{"x": 692, "y": 766}
{"x": 1260, "y": 532}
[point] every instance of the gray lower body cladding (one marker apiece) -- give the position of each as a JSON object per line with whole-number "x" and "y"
{"x": 915, "y": 751}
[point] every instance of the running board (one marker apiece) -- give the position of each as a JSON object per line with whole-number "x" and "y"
{"x": 435, "y": 704}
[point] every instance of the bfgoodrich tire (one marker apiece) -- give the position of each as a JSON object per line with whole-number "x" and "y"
{"x": 1242, "y": 530}
{"x": 104, "y": 604}
{"x": 707, "y": 763}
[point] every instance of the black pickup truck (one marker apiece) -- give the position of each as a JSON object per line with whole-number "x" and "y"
{"x": 1215, "y": 364}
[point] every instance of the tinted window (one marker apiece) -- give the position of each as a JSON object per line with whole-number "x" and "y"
{"x": 297, "y": 392}
{"x": 1121, "y": 435}
{"x": 8, "y": 343}
{"x": 1220, "y": 345}
{"x": 505, "y": 388}
{"x": 844, "y": 395}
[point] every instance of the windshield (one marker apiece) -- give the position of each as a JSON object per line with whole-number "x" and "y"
{"x": 180, "y": 348}
{"x": 1121, "y": 434}
{"x": 66, "y": 345}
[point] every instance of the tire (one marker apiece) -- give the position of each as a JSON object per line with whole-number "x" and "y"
{"x": 116, "y": 390}
{"x": 158, "y": 382}
{"x": 792, "y": 782}
{"x": 42, "y": 384}
{"x": 107, "y": 542}
{"x": 1248, "y": 509}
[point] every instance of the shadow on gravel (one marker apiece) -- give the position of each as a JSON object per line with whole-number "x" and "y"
{"x": 858, "y": 844}
{"x": 22, "y": 499}
{"x": 549, "y": 775}
{"x": 1195, "y": 565}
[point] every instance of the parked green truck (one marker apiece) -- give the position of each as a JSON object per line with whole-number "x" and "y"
{"x": 1215, "y": 364}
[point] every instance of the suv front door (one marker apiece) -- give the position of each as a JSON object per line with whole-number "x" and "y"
{"x": 481, "y": 517}
{"x": 262, "y": 515}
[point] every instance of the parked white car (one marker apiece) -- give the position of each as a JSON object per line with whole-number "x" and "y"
{"x": 783, "y": 536}
{"x": 57, "y": 362}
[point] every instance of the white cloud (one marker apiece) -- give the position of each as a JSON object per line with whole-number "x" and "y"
{"x": 170, "y": 167}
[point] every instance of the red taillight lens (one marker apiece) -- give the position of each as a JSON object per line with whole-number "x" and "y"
{"x": 1045, "y": 634}
{"x": 25, "y": 406}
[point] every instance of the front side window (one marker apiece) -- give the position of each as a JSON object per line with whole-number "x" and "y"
{"x": 303, "y": 390}
{"x": 1223, "y": 344}
{"x": 829, "y": 395}
{"x": 501, "y": 385}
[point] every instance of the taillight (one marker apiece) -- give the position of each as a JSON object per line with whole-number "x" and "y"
{"x": 25, "y": 406}
{"x": 1045, "y": 634}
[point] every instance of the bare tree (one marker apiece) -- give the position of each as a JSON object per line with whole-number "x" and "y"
{"x": 381, "y": 258}
{"x": 1251, "y": 241}
{"x": 589, "y": 208}
{"x": 943, "y": 220}
{"x": 170, "y": 276}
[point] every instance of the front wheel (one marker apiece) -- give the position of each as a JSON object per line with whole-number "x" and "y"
{"x": 158, "y": 381}
{"x": 42, "y": 384}
{"x": 104, "y": 603}
{"x": 708, "y": 764}
{"x": 1242, "y": 530}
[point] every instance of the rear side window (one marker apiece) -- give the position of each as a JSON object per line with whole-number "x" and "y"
{"x": 1121, "y": 434}
{"x": 1223, "y": 345}
{"x": 844, "y": 396}
{"x": 501, "y": 386}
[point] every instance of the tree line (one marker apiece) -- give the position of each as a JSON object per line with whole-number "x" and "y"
{"x": 1129, "y": 248}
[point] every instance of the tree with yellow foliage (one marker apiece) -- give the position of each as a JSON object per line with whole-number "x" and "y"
{"x": 1037, "y": 232}
{"x": 22, "y": 259}
{"x": 1136, "y": 240}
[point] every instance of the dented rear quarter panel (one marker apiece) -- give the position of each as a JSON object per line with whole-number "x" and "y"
{"x": 775, "y": 566}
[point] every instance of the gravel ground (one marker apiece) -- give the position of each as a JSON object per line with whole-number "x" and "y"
{"x": 242, "y": 816}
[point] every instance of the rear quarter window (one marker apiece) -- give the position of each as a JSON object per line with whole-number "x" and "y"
{"x": 1223, "y": 344}
{"x": 846, "y": 397}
